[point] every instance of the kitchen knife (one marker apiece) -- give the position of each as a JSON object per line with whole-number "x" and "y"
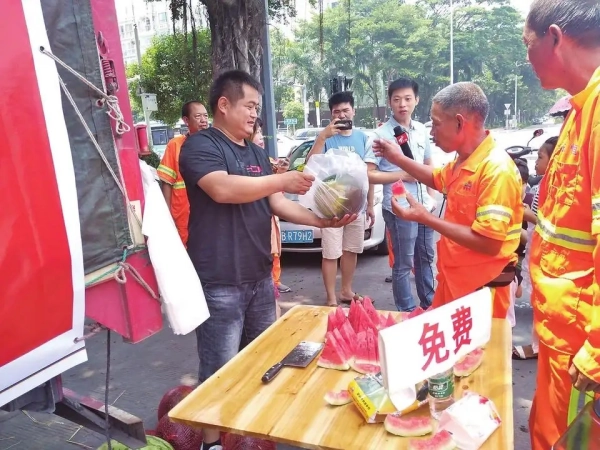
{"x": 300, "y": 356}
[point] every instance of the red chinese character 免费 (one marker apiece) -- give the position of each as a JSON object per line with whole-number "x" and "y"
{"x": 462, "y": 323}
{"x": 433, "y": 343}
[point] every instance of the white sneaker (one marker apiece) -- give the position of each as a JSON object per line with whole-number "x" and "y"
{"x": 214, "y": 447}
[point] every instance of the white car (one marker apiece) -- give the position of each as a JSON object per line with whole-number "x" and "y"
{"x": 305, "y": 239}
{"x": 285, "y": 145}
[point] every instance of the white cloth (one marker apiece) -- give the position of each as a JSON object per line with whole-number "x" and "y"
{"x": 181, "y": 293}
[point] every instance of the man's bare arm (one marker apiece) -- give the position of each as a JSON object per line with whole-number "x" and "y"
{"x": 378, "y": 177}
{"x": 317, "y": 147}
{"x": 236, "y": 189}
{"x": 167, "y": 191}
{"x": 293, "y": 212}
{"x": 430, "y": 190}
{"x": 392, "y": 152}
{"x": 464, "y": 235}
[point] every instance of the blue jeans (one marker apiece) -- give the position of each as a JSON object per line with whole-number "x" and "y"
{"x": 238, "y": 315}
{"x": 412, "y": 244}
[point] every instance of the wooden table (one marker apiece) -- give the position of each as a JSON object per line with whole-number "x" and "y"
{"x": 291, "y": 408}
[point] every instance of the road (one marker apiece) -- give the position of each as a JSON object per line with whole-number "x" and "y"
{"x": 141, "y": 373}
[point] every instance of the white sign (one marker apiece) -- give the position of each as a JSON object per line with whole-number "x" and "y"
{"x": 507, "y": 106}
{"x": 149, "y": 102}
{"x": 426, "y": 345}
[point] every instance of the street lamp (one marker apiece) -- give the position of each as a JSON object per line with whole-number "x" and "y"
{"x": 451, "y": 42}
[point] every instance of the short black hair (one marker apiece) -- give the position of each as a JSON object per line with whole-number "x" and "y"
{"x": 550, "y": 145}
{"x": 339, "y": 98}
{"x": 403, "y": 83}
{"x": 523, "y": 169}
{"x": 578, "y": 19}
{"x": 185, "y": 109}
{"x": 257, "y": 124}
{"x": 230, "y": 85}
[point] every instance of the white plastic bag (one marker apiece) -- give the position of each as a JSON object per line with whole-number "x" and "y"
{"x": 181, "y": 293}
{"x": 341, "y": 184}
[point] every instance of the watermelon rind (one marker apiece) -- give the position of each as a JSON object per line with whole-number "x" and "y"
{"x": 408, "y": 426}
{"x": 154, "y": 443}
{"x": 440, "y": 441}
{"x": 365, "y": 368}
{"x": 338, "y": 398}
{"x": 469, "y": 364}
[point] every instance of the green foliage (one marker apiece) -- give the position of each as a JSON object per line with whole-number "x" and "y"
{"x": 377, "y": 41}
{"x": 172, "y": 71}
{"x": 294, "y": 110}
{"x": 152, "y": 159}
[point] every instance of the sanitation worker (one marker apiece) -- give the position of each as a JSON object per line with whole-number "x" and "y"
{"x": 481, "y": 229}
{"x": 563, "y": 45}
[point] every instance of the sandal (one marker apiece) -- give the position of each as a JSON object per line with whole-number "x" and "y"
{"x": 523, "y": 353}
{"x": 356, "y": 298}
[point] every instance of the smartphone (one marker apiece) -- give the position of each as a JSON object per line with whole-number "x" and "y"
{"x": 344, "y": 124}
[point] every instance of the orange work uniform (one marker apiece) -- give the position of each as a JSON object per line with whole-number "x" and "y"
{"x": 564, "y": 267}
{"x": 168, "y": 172}
{"x": 484, "y": 194}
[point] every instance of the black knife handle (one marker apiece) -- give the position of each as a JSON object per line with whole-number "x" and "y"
{"x": 271, "y": 373}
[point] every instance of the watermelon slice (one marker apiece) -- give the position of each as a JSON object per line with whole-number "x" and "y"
{"x": 353, "y": 315}
{"x": 349, "y": 336}
{"x": 416, "y": 312}
{"x": 364, "y": 360}
{"x": 331, "y": 321}
{"x": 332, "y": 356}
{"x": 340, "y": 316}
{"x": 389, "y": 321}
{"x": 347, "y": 351}
{"x": 440, "y": 441}
{"x": 338, "y": 398}
{"x": 367, "y": 305}
{"x": 373, "y": 346}
{"x": 364, "y": 320}
{"x": 398, "y": 190}
{"x": 408, "y": 426}
{"x": 469, "y": 364}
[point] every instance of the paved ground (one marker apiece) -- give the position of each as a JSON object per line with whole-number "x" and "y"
{"x": 141, "y": 373}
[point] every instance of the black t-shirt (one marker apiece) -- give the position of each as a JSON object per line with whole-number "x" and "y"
{"x": 228, "y": 243}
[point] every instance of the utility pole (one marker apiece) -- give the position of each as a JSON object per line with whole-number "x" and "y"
{"x": 516, "y": 110}
{"x": 141, "y": 90}
{"x": 266, "y": 72}
{"x": 451, "y": 42}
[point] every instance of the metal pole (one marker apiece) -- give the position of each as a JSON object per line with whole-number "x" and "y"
{"x": 305, "y": 105}
{"x": 139, "y": 59}
{"x": 266, "y": 72}
{"x": 516, "y": 110}
{"x": 451, "y": 42}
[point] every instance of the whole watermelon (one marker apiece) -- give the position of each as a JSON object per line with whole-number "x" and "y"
{"x": 171, "y": 398}
{"x": 180, "y": 436}
{"x": 154, "y": 443}
{"x": 236, "y": 442}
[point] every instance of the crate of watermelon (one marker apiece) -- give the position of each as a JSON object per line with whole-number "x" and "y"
{"x": 341, "y": 184}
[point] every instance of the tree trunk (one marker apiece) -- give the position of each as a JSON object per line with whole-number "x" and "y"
{"x": 236, "y": 28}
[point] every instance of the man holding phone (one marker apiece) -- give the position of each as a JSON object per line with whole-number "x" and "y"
{"x": 347, "y": 242}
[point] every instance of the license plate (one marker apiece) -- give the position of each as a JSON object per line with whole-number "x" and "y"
{"x": 297, "y": 237}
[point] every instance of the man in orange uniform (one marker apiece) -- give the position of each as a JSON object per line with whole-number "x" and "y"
{"x": 482, "y": 224}
{"x": 194, "y": 115}
{"x": 563, "y": 45}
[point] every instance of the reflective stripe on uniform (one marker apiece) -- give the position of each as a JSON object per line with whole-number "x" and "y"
{"x": 167, "y": 171}
{"x": 179, "y": 185}
{"x": 514, "y": 232}
{"x": 576, "y": 403}
{"x": 565, "y": 237}
{"x": 495, "y": 212}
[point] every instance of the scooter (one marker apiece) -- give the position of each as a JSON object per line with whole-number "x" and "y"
{"x": 519, "y": 151}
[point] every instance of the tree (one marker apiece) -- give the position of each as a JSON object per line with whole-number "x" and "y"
{"x": 236, "y": 29}
{"x": 170, "y": 71}
{"x": 294, "y": 110}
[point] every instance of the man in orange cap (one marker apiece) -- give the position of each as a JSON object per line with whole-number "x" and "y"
{"x": 194, "y": 115}
{"x": 563, "y": 46}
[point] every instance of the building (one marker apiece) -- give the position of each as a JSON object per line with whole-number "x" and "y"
{"x": 152, "y": 18}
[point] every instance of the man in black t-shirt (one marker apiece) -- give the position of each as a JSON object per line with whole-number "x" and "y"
{"x": 233, "y": 194}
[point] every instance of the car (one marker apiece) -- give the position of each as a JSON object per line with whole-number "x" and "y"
{"x": 285, "y": 145}
{"x": 305, "y": 239}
